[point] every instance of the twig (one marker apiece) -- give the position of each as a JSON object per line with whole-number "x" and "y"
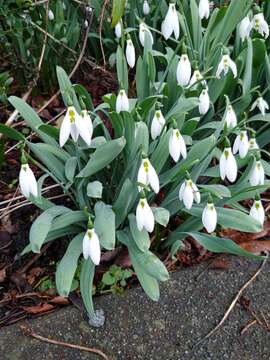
{"x": 28, "y": 332}
{"x": 34, "y": 81}
{"x": 249, "y": 324}
{"x": 246, "y": 285}
{"x": 100, "y": 31}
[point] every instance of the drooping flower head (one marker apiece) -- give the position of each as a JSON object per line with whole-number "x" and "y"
{"x": 244, "y": 28}
{"x": 146, "y": 8}
{"x": 122, "y": 103}
{"x": 171, "y": 23}
{"x": 73, "y": 124}
{"x": 252, "y": 141}
{"x": 230, "y": 117}
{"x": 209, "y": 216}
{"x": 183, "y": 72}
{"x": 118, "y": 29}
{"x": 91, "y": 244}
{"x": 157, "y": 125}
{"x": 143, "y": 30}
{"x": 204, "y": 102}
{"x": 256, "y": 176}
{"x": 27, "y": 180}
{"x": 177, "y": 144}
{"x": 144, "y": 215}
{"x": 259, "y": 24}
{"x": 257, "y": 210}
{"x": 130, "y": 53}
{"x": 225, "y": 65}
{"x": 204, "y": 9}
{"x": 261, "y": 104}
{"x": 147, "y": 176}
{"x": 189, "y": 192}
{"x": 227, "y": 164}
{"x": 241, "y": 144}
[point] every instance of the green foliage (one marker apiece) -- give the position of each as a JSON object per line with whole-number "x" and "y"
{"x": 114, "y": 280}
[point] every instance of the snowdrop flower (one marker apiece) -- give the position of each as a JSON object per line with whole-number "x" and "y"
{"x": 257, "y": 210}
{"x": 91, "y": 246}
{"x": 86, "y": 117}
{"x": 144, "y": 216}
{"x": 122, "y": 103}
{"x": 227, "y": 164}
{"x": 261, "y": 104}
{"x": 118, "y": 30}
{"x": 204, "y": 9}
{"x": 253, "y": 143}
{"x": 257, "y": 174}
{"x": 230, "y": 117}
{"x": 225, "y": 64}
{"x": 74, "y": 125}
{"x": 183, "y": 72}
{"x": 171, "y": 23}
{"x": 157, "y": 125}
{"x": 130, "y": 53}
{"x": 177, "y": 145}
{"x": 51, "y": 15}
{"x": 147, "y": 176}
{"x": 27, "y": 180}
{"x": 209, "y": 216}
{"x": 143, "y": 29}
{"x": 188, "y": 193}
{"x": 244, "y": 28}
{"x": 258, "y": 23}
{"x": 146, "y": 8}
{"x": 241, "y": 144}
{"x": 197, "y": 76}
{"x": 204, "y": 102}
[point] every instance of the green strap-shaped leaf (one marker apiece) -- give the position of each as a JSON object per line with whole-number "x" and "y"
{"x": 11, "y": 133}
{"x": 105, "y": 225}
{"x": 117, "y": 11}
{"x": 86, "y": 285}
{"x": 42, "y": 225}
{"x": 67, "y": 267}
{"x": 103, "y": 156}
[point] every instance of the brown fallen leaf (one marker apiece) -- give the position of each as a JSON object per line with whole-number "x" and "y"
{"x": 3, "y": 274}
{"x": 256, "y": 247}
{"x": 221, "y": 263}
{"x": 60, "y": 300}
{"x": 38, "y": 309}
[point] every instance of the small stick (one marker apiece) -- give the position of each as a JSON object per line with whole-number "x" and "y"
{"x": 100, "y": 31}
{"x": 28, "y": 332}
{"x": 249, "y": 324}
{"x": 246, "y": 285}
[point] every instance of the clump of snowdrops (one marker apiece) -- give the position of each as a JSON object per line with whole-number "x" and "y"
{"x": 185, "y": 144}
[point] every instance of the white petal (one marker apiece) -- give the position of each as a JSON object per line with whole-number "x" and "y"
{"x": 167, "y": 25}
{"x": 64, "y": 130}
{"x": 83, "y": 129}
{"x": 236, "y": 144}
{"x": 231, "y": 170}
{"x": 253, "y": 105}
{"x": 188, "y": 196}
{"x": 183, "y": 148}
{"x": 196, "y": 193}
{"x": 146, "y": 7}
{"x": 140, "y": 214}
{"x": 204, "y": 9}
{"x": 204, "y": 102}
{"x": 181, "y": 191}
{"x": 257, "y": 213}
{"x": 153, "y": 178}
{"x": 74, "y": 132}
{"x": 23, "y": 180}
{"x": 118, "y": 30}
{"x": 94, "y": 248}
{"x": 233, "y": 67}
{"x": 209, "y": 218}
{"x": 156, "y": 128}
{"x": 243, "y": 147}
{"x": 222, "y": 166}
{"x": 149, "y": 220}
{"x": 142, "y": 176}
{"x": 220, "y": 69}
{"x": 85, "y": 246}
{"x": 183, "y": 72}
{"x": 174, "y": 146}
{"x": 130, "y": 53}
{"x": 261, "y": 176}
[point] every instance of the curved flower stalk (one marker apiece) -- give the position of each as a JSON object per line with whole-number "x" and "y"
{"x": 257, "y": 174}
{"x": 204, "y": 9}
{"x": 189, "y": 192}
{"x": 147, "y": 176}
{"x": 204, "y": 102}
{"x": 27, "y": 180}
{"x": 91, "y": 246}
{"x": 259, "y": 24}
{"x": 225, "y": 64}
{"x": 143, "y": 29}
{"x": 157, "y": 125}
{"x": 244, "y": 28}
{"x": 118, "y": 30}
{"x": 241, "y": 144}
{"x": 209, "y": 216}
{"x": 183, "y": 71}
{"x": 261, "y": 104}
{"x": 171, "y": 23}
{"x": 122, "y": 103}
{"x": 227, "y": 164}
{"x": 144, "y": 216}
{"x": 257, "y": 210}
{"x": 230, "y": 117}
{"x": 146, "y": 8}
{"x": 177, "y": 145}
{"x": 74, "y": 125}
{"x": 130, "y": 53}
